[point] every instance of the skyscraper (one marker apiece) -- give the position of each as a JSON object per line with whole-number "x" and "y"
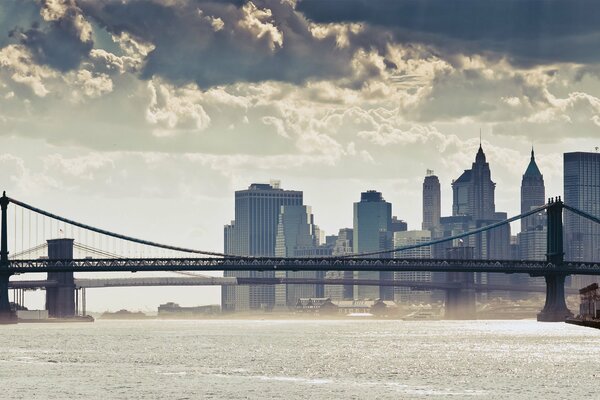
{"x": 533, "y": 193}
{"x": 295, "y": 237}
{"x": 372, "y": 232}
{"x": 473, "y": 198}
{"x": 253, "y": 233}
{"x": 432, "y": 209}
{"x": 473, "y": 191}
{"x": 582, "y": 191}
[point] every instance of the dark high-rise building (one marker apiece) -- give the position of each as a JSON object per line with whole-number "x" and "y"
{"x": 473, "y": 191}
{"x": 531, "y": 242}
{"x": 582, "y": 191}
{"x": 372, "y": 232}
{"x": 432, "y": 200}
{"x": 253, "y": 233}
{"x": 533, "y": 193}
{"x": 473, "y": 197}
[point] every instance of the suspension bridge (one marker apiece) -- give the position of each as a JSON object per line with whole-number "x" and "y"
{"x": 34, "y": 231}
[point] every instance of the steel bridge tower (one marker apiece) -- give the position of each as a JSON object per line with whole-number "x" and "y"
{"x": 7, "y": 316}
{"x": 555, "y": 309}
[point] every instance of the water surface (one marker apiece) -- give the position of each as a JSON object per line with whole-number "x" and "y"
{"x": 364, "y": 359}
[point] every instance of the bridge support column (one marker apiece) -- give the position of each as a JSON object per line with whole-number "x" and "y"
{"x": 60, "y": 301}
{"x": 460, "y": 302}
{"x": 555, "y": 309}
{"x": 7, "y": 316}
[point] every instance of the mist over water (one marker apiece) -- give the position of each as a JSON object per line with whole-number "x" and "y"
{"x": 245, "y": 359}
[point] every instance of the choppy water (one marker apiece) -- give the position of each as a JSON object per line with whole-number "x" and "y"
{"x": 299, "y": 360}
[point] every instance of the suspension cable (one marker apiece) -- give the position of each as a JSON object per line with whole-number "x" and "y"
{"x": 119, "y": 236}
{"x": 582, "y": 214}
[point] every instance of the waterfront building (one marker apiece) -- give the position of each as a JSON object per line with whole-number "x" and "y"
{"x": 582, "y": 191}
{"x": 253, "y": 233}
{"x": 432, "y": 200}
{"x": 372, "y": 232}
{"x": 408, "y": 238}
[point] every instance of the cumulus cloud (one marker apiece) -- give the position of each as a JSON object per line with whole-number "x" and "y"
{"x": 62, "y": 40}
{"x": 213, "y": 42}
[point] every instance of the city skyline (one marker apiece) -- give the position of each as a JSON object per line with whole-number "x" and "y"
{"x": 299, "y": 198}
{"x": 117, "y": 128}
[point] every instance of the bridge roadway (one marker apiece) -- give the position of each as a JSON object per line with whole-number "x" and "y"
{"x": 533, "y": 268}
{"x": 229, "y": 281}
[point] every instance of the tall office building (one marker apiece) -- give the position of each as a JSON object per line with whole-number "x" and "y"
{"x": 473, "y": 198}
{"x": 372, "y": 232}
{"x": 295, "y": 238}
{"x": 432, "y": 200}
{"x": 533, "y": 193}
{"x": 533, "y": 236}
{"x": 253, "y": 233}
{"x": 408, "y": 238}
{"x": 473, "y": 191}
{"x": 582, "y": 191}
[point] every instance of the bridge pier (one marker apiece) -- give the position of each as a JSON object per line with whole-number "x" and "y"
{"x": 555, "y": 309}
{"x": 460, "y": 302}
{"x": 60, "y": 300}
{"x": 7, "y": 316}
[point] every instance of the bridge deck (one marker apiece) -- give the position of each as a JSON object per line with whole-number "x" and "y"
{"x": 534, "y": 268}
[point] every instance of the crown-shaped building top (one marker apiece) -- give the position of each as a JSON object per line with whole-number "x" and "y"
{"x": 532, "y": 169}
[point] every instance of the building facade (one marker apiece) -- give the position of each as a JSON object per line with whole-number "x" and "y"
{"x": 408, "y": 238}
{"x": 295, "y": 238}
{"x": 432, "y": 202}
{"x": 582, "y": 191}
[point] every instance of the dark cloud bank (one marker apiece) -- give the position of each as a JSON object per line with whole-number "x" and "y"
{"x": 526, "y": 32}
{"x": 188, "y": 47}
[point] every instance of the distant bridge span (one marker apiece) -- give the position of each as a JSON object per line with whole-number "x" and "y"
{"x": 229, "y": 281}
{"x": 533, "y": 268}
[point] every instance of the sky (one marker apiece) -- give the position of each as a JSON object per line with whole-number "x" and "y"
{"x": 143, "y": 117}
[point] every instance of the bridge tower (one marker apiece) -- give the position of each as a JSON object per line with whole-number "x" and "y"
{"x": 555, "y": 309}
{"x": 60, "y": 300}
{"x": 7, "y": 316}
{"x": 460, "y": 302}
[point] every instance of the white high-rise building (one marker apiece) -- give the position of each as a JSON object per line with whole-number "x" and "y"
{"x": 408, "y": 238}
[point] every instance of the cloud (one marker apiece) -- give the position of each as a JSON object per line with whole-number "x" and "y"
{"x": 213, "y": 43}
{"x": 62, "y": 40}
{"x": 526, "y": 32}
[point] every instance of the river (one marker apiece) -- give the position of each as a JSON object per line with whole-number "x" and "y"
{"x": 244, "y": 359}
